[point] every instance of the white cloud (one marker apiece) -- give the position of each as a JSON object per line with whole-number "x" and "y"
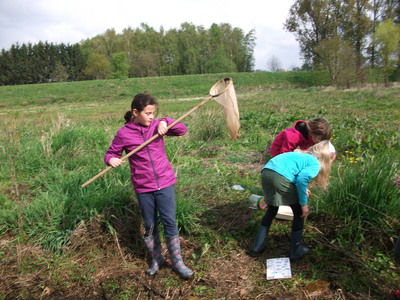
{"x": 71, "y": 21}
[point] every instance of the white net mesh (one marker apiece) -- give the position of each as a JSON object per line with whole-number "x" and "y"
{"x": 224, "y": 93}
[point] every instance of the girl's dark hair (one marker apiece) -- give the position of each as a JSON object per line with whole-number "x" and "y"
{"x": 139, "y": 102}
{"x": 320, "y": 128}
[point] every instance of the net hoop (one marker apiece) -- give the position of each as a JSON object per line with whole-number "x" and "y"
{"x": 221, "y": 86}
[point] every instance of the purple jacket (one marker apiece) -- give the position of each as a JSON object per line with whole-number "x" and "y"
{"x": 150, "y": 167}
{"x": 290, "y": 139}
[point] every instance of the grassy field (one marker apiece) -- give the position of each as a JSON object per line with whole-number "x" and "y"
{"x": 61, "y": 241}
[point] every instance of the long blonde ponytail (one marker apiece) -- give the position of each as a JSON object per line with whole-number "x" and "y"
{"x": 325, "y": 155}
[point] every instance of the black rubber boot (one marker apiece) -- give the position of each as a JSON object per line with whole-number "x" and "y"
{"x": 260, "y": 241}
{"x": 297, "y": 249}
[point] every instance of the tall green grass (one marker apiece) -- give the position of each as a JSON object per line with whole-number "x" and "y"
{"x": 45, "y": 200}
{"x": 363, "y": 196}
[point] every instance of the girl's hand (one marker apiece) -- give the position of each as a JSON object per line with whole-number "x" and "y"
{"x": 305, "y": 210}
{"x": 162, "y": 128}
{"x": 115, "y": 162}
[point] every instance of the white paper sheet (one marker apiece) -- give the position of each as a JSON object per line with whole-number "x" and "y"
{"x": 278, "y": 268}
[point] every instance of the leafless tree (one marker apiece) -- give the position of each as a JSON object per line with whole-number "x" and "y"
{"x": 274, "y": 64}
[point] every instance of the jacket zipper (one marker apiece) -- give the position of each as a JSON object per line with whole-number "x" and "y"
{"x": 151, "y": 160}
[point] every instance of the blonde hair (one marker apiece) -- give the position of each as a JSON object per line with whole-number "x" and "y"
{"x": 325, "y": 157}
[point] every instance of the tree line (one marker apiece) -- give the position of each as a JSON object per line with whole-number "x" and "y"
{"x": 139, "y": 52}
{"x": 347, "y": 37}
{"x": 344, "y": 37}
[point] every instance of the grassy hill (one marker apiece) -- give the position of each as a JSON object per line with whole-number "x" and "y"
{"x": 58, "y": 240}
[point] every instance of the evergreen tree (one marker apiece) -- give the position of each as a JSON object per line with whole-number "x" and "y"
{"x": 75, "y": 62}
{"x": 6, "y": 77}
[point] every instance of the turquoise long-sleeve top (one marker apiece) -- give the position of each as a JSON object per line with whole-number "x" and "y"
{"x": 296, "y": 167}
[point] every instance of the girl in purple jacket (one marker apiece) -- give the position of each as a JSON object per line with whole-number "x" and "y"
{"x": 152, "y": 177}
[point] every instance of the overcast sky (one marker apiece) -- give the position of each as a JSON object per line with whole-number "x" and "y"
{"x": 70, "y": 21}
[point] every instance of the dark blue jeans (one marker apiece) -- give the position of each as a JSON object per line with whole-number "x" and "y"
{"x": 159, "y": 204}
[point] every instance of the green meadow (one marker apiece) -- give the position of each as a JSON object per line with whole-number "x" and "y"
{"x": 59, "y": 240}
